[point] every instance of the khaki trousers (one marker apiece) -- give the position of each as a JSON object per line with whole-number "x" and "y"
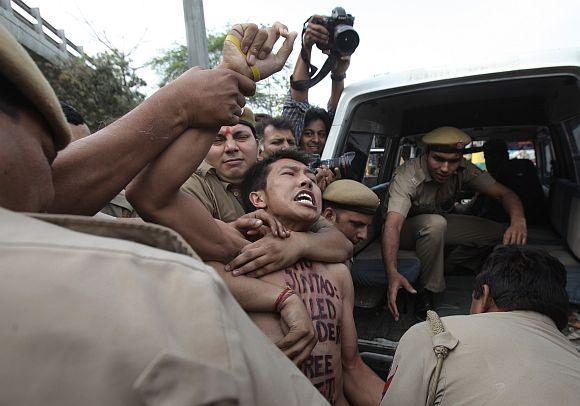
{"x": 428, "y": 234}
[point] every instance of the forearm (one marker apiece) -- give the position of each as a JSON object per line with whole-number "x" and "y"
{"x": 161, "y": 180}
{"x": 513, "y": 206}
{"x": 326, "y": 245}
{"x": 335, "y": 93}
{"x": 253, "y": 295}
{"x": 361, "y": 385}
{"x": 300, "y": 73}
{"x": 93, "y": 170}
{"x": 390, "y": 244}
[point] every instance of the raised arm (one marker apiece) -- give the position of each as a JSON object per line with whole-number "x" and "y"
{"x": 362, "y": 386}
{"x": 337, "y": 76}
{"x": 517, "y": 232}
{"x": 155, "y": 193}
{"x": 315, "y": 33}
{"x": 390, "y": 245}
{"x": 90, "y": 172}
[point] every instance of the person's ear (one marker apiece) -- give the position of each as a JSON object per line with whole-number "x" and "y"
{"x": 329, "y": 214}
{"x": 485, "y": 302}
{"x": 258, "y": 199}
{"x": 480, "y": 305}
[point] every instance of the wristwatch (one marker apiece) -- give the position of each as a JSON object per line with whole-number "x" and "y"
{"x": 337, "y": 78}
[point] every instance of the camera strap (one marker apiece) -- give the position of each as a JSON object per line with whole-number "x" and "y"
{"x": 314, "y": 79}
{"x": 308, "y": 83}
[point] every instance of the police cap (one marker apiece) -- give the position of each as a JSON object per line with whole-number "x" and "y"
{"x": 447, "y": 139}
{"x": 18, "y": 69}
{"x": 351, "y": 195}
{"x": 248, "y": 119}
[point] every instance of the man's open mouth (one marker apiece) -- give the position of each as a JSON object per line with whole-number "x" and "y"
{"x": 306, "y": 197}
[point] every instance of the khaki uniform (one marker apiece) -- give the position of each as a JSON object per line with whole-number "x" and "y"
{"x": 430, "y": 225}
{"x": 502, "y": 358}
{"x": 120, "y": 207}
{"x": 90, "y": 320}
{"x": 221, "y": 199}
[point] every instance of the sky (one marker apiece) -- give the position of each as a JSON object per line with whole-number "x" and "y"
{"x": 395, "y": 35}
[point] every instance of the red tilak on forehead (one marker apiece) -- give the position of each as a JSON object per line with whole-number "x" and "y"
{"x": 228, "y": 131}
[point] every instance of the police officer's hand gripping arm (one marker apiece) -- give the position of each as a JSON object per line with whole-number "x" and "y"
{"x": 390, "y": 245}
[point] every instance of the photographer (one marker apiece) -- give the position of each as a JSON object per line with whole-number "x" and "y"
{"x": 311, "y": 136}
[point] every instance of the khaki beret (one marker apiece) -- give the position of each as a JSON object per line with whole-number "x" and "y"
{"x": 18, "y": 68}
{"x": 448, "y": 136}
{"x": 351, "y": 195}
{"x": 248, "y": 119}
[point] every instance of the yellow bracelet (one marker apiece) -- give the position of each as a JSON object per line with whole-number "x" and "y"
{"x": 234, "y": 40}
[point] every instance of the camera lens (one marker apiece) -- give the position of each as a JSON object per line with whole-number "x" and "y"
{"x": 345, "y": 39}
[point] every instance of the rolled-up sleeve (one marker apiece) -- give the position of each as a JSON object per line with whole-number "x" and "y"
{"x": 401, "y": 192}
{"x": 295, "y": 111}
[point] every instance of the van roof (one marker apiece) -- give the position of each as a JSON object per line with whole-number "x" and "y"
{"x": 565, "y": 57}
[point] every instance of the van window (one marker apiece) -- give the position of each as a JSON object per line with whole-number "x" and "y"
{"x": 369, "y": 143}
{"x": 522, "y": 150}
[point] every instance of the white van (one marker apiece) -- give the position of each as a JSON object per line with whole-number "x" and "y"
{"x": 532, "y": 102}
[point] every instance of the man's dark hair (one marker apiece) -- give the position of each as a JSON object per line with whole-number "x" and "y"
{"x": 316, "y": 113}
{"x": 71, "y": 114}
{"x": 256, "y": 177}
{"x": 525, "y": 278}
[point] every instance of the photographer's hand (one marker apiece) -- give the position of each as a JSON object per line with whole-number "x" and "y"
{"x": 315, "y": 33}
{"x": 341, "y": 66}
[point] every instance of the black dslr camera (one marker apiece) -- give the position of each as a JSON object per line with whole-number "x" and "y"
{"x": 343, "y": 163}
{"x": 343, "y": 38}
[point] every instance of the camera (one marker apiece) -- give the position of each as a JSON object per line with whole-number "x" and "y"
{"x": 343, "y": 38}
{"x": 343, "y": 163}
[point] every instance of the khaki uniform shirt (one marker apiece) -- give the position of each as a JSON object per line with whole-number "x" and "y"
{"x": 413, "y": 191}
{"x": 91, "y": 320}
{"x": 502, "y": 358}
{"x": 120, "y": 207}
{"x": 219, "y": 197}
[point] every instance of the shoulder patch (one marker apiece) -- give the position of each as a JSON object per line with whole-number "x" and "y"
{"x": 414, "y": 181}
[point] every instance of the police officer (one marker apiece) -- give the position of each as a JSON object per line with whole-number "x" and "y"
{"x": 420, "y": 215}
{"x": 350, "y": 205}
{"x": 509, "y": 351}
{"x": 95, "y": 320}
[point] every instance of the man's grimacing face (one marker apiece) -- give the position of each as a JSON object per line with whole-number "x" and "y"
{"x": 26, "y": 153}
{"x": 291, "y": 194}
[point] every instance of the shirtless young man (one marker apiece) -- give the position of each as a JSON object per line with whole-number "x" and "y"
{"x": 285, "y": 187}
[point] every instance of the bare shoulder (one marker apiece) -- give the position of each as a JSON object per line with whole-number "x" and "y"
{"x": 339, "y": 270}
{"x": 340, "y": 273}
